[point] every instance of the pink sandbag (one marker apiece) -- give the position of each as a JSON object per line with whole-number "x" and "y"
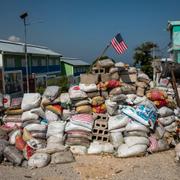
{"x": 87, "y": 118}
{"x": 13, "y": 124}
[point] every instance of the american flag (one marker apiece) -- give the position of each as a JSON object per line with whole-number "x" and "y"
{"x": 119, "y": 44}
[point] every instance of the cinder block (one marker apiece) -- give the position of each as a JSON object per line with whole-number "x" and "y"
{"x": 105, "y": 77}
{"x": 96, "y": 70}
{"x": 103, "y": 117}
{"x": 100, "y": 131}
{"x": 89, "y": 78}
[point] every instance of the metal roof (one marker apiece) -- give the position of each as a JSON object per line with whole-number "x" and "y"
{"x": 74, "y": 61}
{"x": 16, "y": 47}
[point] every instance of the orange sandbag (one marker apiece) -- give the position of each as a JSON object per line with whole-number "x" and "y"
{"x": 98, "y": 100}
{"x": 102, "y": 86}
{"x": 156, "y": 95}
{"x": 99, "y": 109}
{"x": 20, "y": 143}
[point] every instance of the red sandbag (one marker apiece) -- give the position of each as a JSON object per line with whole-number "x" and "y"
{"x": 156, "y": 95}
{"x": 113, "y": 83}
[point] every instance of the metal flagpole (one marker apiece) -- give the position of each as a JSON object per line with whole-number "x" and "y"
{"x": 106, "y": 48}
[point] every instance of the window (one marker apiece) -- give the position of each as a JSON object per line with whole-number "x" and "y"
{"x": 23, "y": 62}
{"x": 57, "y": 62}
{"x": 34, "y": 62}
{"x": 43, "y": 62}
{"x": 51, "y": 62}
{"x": 10, "y": 62}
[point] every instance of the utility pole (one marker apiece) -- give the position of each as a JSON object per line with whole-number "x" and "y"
{"x": 24, "y": 16}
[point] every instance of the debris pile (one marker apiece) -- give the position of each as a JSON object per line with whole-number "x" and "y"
{"x": 112, "y": 110}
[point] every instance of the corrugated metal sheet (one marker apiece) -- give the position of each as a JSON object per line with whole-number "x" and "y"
{"x": 13, "y": 47}
{"x": 76, "y": 62}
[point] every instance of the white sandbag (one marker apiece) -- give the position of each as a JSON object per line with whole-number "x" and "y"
{"x": 105, "y": 63}
{"x": 138, "y": 100}
{"x": 112, "y": 107}
{"x": 171, "y": 128}
{"x": 136, "y": 150}
{"x": 36, "y": 127}
{"x": 58, "y": 139}
{"x": 118, "y": 121}
{"x": 108, "y": 148}
{"x": 123, "y": 129}
{"x": 30, "y": 101}
{"x": 51, "y": 116}
{"x": 55, "y": 128}
{"x": 71, "y": 126}
{"x": 28, "y": 115}
{"x": 165, "y": 111}
{"x": 88, "y": 87}
{"x": 12, "y": 136}
{"x": 38, "y": 160}
{"x": 65, "y": 99}
{"x": 51, "y": 92}
{"x": 134, "y": 140}
{"x": 120, "y": 64}
{"x": 118, "y": 98}
{"x": 167, "y": 120}
{"x": 137, "y": 133}
{"x": 62, "y": 157}
{"x": 39, "y": 111}
{"x": 78, "y": 149}
{"x": 98, "y": 147}
{"x": 66, "y": 114}
{"x": 95, "y": 148}
{"x": 75, "y": 93}
{"x": 135, "y": 126}
{"x": 116, "y": 138}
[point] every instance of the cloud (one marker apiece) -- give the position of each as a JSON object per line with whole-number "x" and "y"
{"x": 14, "y": 38}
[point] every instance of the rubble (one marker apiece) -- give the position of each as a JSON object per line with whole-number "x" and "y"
{"x": 112, "y": 110}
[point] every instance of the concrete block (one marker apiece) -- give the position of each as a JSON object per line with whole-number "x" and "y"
{"x": 96, "y": 70}
{"x": 128, "y": 78}
{"x": 105, "y": 77}
{"x": 89, "y": 78}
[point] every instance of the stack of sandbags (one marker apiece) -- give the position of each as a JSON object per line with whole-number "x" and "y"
{"x": 116, "y": 127}
{"x": 142, "y": 84}
{"x": 51, "y": 103}
{"x": 79, "y": 130}
{"x": 12, "y": 118}
{"x": 136, "y": 140}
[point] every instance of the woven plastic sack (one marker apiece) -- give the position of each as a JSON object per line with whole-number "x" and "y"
{"x": 105, "y": 63}
{"x": 135, "y": 140}
{"x": 36, "y": 127}
{"x": 75, "y": 93}
{"x": 99, "y": 109}
{"x": 78, "y": 149}
{"x": 55, "y": 128}
{"x": 88, "y": 87}
{"x": 30, "y": 101}
{"x": 38, "y": 160}
{"x": 112, "y": 107}
{"x": 71, "y": 126}
{"x": 20, "y": 143}
{"x": 86, "y": 109}
{"x": 156, "y": 95}
{"x": 116, "y": 138}
{"x": 118, "y": 121}
{"x": 113, "y": 83}
{"x": 51, "y": 116}
{"x": 98, "y": 100}
{"x": 28, "y": 115}
{"x": 52, "y": 92}
{"x": 165, "y": 111}
{"x": 135, "y": 126}
{"x": 136, "y": 150}
{"x": 167, "y": 120}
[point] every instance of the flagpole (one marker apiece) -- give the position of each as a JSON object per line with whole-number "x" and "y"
{"x": 106, "y": 48}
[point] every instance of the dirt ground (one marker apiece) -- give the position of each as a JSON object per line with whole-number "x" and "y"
{"x": 160, "y": 166}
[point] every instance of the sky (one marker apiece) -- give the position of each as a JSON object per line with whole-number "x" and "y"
{"x": 83, "y": 28}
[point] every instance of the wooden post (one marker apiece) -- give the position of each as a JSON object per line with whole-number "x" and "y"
{"x": 174, "y": 86}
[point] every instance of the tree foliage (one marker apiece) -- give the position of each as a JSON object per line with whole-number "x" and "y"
{"x": 143, "y": 57}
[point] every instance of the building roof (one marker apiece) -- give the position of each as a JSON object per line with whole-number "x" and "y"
{"x": 172, "y": 23}
{"x": 74, "y": 61}
{"x": 17, "y": 47}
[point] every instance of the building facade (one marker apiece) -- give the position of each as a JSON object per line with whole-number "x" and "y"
{"x": 73, "y": 66}
{"x": 43, "y": 63}
{"x": 174, "y": 49}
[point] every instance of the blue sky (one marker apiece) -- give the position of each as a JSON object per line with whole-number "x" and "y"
{"x": 83, "y": 28}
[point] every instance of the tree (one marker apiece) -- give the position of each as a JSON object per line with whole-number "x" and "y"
{"x": 143, "y": 57}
